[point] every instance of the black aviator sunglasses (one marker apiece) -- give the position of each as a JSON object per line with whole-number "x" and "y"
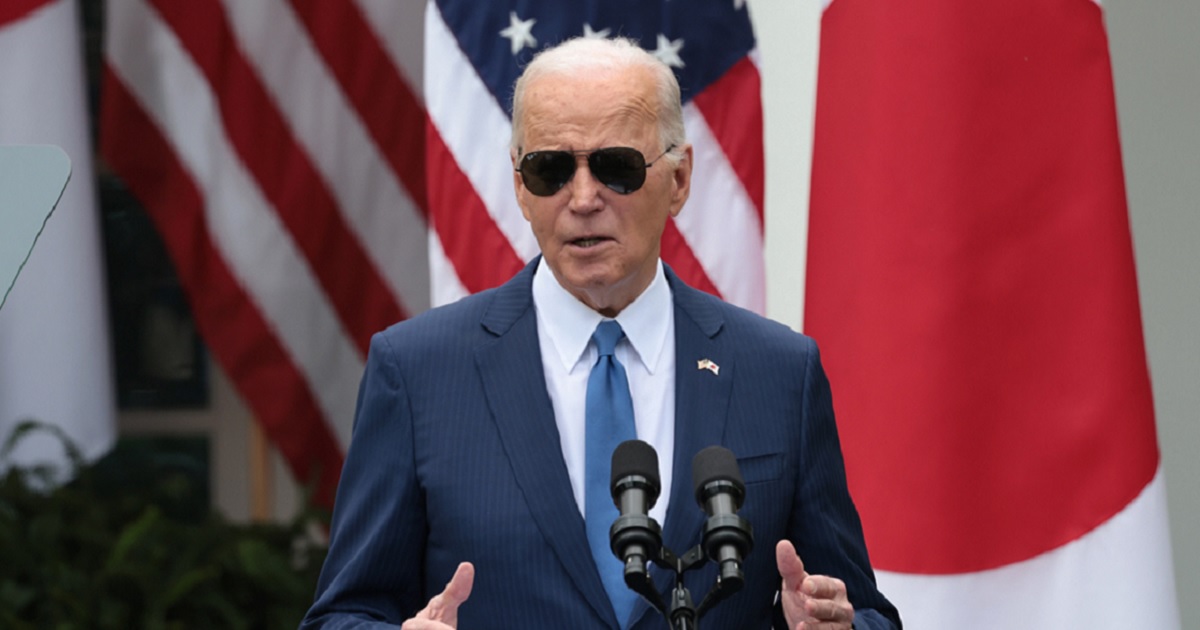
{"x": 621, "y": 169}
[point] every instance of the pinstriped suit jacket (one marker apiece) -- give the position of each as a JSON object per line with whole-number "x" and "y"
{"x": 455, "y": 457}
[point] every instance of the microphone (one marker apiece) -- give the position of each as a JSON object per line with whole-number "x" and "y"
{"x": 635, "y": 538}
{"x": 720, "y": 491}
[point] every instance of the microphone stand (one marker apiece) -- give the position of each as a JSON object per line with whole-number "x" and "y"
{"x": 642, "y": 536}
{"x": 637, "y": 539}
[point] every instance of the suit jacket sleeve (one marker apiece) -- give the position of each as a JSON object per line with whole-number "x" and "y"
{"x": 373, "y": 570}
{"x": 824, "y": 523}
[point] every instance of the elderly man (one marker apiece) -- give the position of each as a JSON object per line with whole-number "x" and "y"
{"x": 475, "y": 489}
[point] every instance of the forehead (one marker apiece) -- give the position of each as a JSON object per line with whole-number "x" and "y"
{"x": 595, "y": 106}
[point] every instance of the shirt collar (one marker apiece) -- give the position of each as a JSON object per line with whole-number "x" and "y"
{"x": 569, "y": 323}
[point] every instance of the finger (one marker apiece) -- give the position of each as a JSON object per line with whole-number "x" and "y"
{"x": 823, "y": 625}
{"x": 828, "y": 610}
{"x": 424, "y": 624}
{"x": 444, "y": 606}
{"x": 823, "y": 587}
{"x": 791, "y": 568}
{"x": 459, "y": 588}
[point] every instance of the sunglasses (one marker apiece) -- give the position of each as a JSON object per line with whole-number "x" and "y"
{"x": 621, "y": 169}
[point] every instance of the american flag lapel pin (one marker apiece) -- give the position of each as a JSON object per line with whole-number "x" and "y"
{"x": 707, "y": 364}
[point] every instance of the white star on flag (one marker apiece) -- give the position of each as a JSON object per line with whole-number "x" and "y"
{"x": 668, "y": 51}
{"x": 519, "y": 32}
{"x": 588, "y": 33}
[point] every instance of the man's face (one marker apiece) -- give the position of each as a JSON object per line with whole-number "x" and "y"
{"x": 601, "y": 245}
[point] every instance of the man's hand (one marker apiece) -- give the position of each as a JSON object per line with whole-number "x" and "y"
{"x": 442, "y": 611}
{"x": 810, "y": 602}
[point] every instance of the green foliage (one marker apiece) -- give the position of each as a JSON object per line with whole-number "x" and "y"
{"x": 122, "y": 546}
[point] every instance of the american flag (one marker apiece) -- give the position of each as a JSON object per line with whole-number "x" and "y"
{"x": 322, "y": 169}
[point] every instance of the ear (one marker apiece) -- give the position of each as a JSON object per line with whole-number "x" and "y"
{"x": 681, "y": 181}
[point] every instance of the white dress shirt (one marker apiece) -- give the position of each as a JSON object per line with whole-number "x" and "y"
{"x": 565, "y": 326}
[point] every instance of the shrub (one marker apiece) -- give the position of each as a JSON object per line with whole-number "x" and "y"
{"x": 123, "y": 545}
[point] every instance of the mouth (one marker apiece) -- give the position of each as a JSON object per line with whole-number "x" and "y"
{"x": 588, "y": 241}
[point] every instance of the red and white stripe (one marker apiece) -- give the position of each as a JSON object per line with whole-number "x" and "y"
{"x": 274, "y": 144}
{"x": 472, "y": 207}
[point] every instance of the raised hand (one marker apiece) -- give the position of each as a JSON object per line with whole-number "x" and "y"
{"x": 810, "y": 602}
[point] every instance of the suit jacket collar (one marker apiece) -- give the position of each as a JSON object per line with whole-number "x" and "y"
{"x": 701, "y": 406}
{"x": 701, "y": 401}
{"x": 510, "y": 367}
{"x": 511, "y": 370}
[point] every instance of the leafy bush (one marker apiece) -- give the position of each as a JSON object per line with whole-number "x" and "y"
{"x": 123, "y": 546}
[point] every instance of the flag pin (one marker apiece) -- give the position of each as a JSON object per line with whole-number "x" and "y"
{"x": 706, "y": 364}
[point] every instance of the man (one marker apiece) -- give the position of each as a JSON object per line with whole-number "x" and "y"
{"x": 470, "y": 465}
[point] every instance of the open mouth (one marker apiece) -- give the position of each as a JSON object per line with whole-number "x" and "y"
{"x": 590, "y": 241}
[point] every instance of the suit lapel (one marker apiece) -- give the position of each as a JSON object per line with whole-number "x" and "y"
{"x": 701, "y": 406}
{"x": 511, "y": 371}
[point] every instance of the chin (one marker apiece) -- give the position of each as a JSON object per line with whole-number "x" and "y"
{"x": 583, "y": 272}
{"x": 589, "y": 282}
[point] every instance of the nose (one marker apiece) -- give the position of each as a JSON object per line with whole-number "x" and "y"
{"x": 584, "y": 188}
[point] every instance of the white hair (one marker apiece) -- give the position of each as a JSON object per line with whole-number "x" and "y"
{"x": 580, "y": 53}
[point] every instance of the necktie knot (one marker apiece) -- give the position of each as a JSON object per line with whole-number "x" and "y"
{"x": 607, "y": 334}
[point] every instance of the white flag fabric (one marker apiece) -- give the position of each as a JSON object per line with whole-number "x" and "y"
{"x": 55, "y": 361}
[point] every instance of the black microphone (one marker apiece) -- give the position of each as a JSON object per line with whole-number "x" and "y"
{"x": 720, "y": 491}
{"x": 636, "y": 539}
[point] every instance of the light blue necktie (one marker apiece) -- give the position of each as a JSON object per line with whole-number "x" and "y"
{"x": 609, "y": 422}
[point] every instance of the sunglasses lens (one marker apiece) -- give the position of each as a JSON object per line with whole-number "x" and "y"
{"x": 620, "y": 168}
{"x": 545, "y": 172}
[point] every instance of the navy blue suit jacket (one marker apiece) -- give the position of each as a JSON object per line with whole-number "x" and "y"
{"x": 455, "y": 457}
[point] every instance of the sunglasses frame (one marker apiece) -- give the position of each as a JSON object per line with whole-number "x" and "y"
{"x": 553, "y": 189}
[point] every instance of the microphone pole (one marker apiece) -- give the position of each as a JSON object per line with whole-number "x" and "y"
{"x": 636, "y": 539}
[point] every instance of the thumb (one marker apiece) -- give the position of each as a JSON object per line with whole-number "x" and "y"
{"x": 444, "y": 606}
{"x": 791, "y": 568}
{"x": 459, "y": 588}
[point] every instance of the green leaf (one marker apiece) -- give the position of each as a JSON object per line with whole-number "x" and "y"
{"x": 132, "y": 536}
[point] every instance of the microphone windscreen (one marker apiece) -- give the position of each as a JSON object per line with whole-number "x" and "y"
{"x": 635, "y": 457}
{"x": 715, "y": 463}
